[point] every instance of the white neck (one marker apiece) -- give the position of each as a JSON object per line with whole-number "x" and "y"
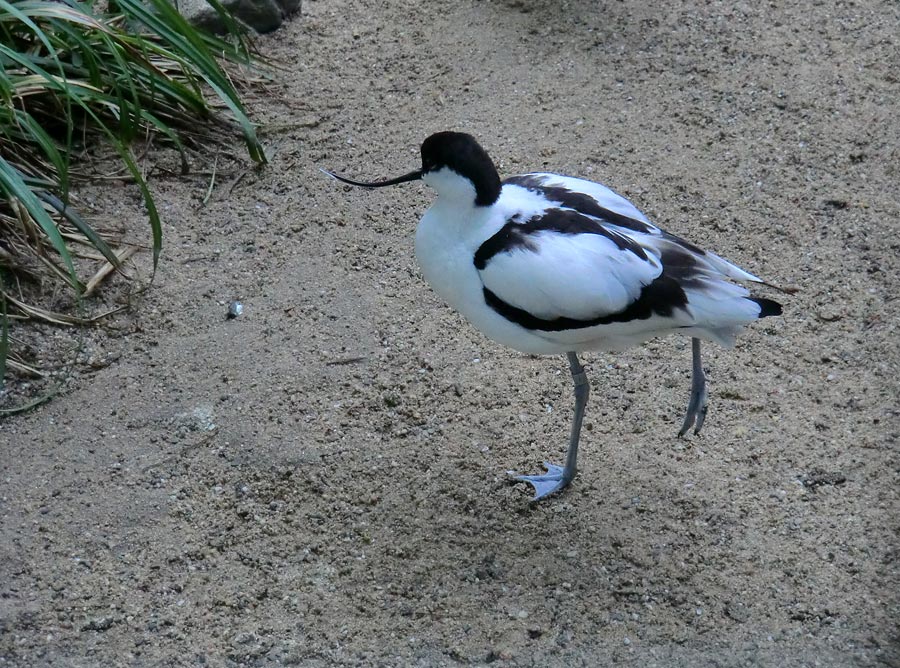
{"x": 456, "y": 190}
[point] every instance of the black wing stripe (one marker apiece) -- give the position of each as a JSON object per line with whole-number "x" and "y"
{"x": 515, "y": 235}
{"x": 684, "y": 243}
{"x": 579, "y": 202}
{"x": 661, "y": 297}
{"x": 681, "y": 265}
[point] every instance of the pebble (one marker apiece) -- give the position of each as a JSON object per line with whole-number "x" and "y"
{"x": 98, "y": 624}
{"x": 737, "y": 611}
{"x": 199, "y": 419}
{"x": 235, "y": 309}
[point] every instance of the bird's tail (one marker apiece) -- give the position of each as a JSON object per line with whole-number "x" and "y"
{"x": 722, "y": 314}
{"x": 767, "y": 307}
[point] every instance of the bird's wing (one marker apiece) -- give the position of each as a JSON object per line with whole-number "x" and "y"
{"x": 586, "y": 197}
{"x": 617, "y": 213}
{"x": 562, "y": 264}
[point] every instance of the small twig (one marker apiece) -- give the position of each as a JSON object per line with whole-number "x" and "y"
{"x": 234, "y": 184}
{"x": 24, "y": 369}
{"x": 212, "y": 180}
{"x": 107, "y": 269}
{"x": 345, "y": 360}
{"x": 56, "y": 318}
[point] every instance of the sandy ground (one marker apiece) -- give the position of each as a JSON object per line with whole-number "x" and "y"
{"x": 321, "y": 481}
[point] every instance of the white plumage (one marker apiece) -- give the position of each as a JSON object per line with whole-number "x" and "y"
{"x": 572, "y": 275}
{"x": 547, "y": 264}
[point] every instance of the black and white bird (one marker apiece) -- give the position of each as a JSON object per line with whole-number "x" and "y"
{"x": 550, "y": 264}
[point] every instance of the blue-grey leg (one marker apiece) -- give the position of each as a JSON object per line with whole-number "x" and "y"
{"x": 558, "y": 477}
{"x": 696, "y": 410}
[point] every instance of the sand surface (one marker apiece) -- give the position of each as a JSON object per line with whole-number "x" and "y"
{"x": 322, "y": 481}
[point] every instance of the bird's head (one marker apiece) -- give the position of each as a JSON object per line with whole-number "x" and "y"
{"x": 455, "y": 165}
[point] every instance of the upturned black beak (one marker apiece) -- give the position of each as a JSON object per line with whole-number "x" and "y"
{"x": 412, "y": 176}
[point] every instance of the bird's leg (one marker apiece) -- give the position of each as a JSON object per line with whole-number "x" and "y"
{"x": 696, "y": 410}
{"x": 558, "y": 477}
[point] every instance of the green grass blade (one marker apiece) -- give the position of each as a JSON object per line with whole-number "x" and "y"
{"x": 173, "y": 137}
{"x": 250, "y": 139}
{"x": 14, "y": 13}
{"x": 152, "y": 213}
{"x": 59, "y": 12}
{"x": 35, "y": 134}
{"x": 14, "y": 187}
{"x": 69, "y": 56}
{"x": 73, "y": 217}
{"x": 31, "y": 404}
{"x": 178, "y": 32}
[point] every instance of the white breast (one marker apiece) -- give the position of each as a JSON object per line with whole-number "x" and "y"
{"x": 445, "y": 247}
{"x": 444, "y": 251}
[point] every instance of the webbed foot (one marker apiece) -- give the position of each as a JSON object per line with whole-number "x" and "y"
{"x": 554, "y": 480}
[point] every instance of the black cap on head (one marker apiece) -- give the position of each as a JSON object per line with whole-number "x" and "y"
{"x": 456, "y": 151}
{"x": 461, "y": 153}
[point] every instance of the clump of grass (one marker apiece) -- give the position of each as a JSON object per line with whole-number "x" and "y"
{"x": 72, "y": 74}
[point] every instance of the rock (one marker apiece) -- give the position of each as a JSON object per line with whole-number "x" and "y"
{"x": 261, "y": 15}
{"x": 737, "y": 611}
{"x": 199, "y": 419}
{"x": 235, "y": 309}
{"x": 289, "y": 6}
{"x": 818, "y": 478}
{"x": 98, "y": 624}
